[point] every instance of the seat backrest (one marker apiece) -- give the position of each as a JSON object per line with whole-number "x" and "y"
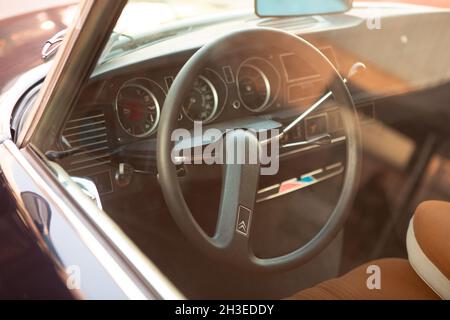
{"x": 428, "y": 245}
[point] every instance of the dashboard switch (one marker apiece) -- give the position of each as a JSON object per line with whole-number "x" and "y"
{"x": 316, "y": 125}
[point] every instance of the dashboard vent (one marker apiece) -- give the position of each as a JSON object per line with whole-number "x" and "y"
{"x": 290, "y": 24}
{"x": 90, "y": 134}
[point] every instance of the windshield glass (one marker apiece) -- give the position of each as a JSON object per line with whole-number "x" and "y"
{"x": 165, "y": 18}
{"x": 159, "y": 13}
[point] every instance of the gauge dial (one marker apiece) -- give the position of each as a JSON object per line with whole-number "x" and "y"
{"x": 137, "y": 110}
{"x": 202, "y": 102}
{"x": 253, "y": 88}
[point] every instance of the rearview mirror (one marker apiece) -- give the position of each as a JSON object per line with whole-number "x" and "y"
{"x": 287, "y": 8}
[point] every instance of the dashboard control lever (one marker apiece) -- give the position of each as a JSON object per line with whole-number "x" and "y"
{"x": 124, "y": 174}
{"x": 58, "y": 155}
{"x": 319, "y": 140}
{"x": 356, "y": 69}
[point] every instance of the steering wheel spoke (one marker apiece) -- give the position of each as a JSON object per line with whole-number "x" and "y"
{"x": 240, "y": 182}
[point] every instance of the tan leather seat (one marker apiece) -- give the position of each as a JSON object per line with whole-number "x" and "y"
{"x": 398, "y": 281}
{"x": 428, "y": 243}
{"x": 425, "y": 276}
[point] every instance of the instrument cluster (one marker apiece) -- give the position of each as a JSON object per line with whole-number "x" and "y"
{"x": 228, "y": 90}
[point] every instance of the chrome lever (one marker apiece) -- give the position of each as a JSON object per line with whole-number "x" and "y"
{"x": 319, "y": 140}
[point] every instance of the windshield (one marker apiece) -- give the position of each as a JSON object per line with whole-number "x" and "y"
{"x": 165, "y": 18}
{"x": 158, "y": 13}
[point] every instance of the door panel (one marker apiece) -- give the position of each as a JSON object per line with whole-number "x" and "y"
{"x": 74, "y": 256}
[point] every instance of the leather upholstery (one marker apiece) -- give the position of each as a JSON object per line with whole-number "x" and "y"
{"x": 428, "y": 244}
{"x": 398, "y": 282}
{"x": 432, "y": 231}
{"x": 426, "y": 272}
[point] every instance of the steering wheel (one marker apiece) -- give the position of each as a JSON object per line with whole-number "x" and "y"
{"x": 240, "y": 181}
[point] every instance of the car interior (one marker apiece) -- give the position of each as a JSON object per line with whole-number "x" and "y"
{"x": 352, "y": 170}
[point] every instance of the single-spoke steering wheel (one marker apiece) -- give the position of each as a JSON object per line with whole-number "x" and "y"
{"x": 240, "y": 181}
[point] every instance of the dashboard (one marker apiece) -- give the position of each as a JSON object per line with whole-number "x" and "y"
{"x": 116, "y": 120}
{"x": 228, "y": 89}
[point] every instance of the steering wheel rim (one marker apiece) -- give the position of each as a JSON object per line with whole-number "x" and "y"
{"x": 171, "y": 187}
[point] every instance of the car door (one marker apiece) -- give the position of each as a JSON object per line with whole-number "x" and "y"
{"x": 77, "y": 251}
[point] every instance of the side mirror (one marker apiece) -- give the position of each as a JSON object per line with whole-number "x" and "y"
{"x": 52, "y": 44}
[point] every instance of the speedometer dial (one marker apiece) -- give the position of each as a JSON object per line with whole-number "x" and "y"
{"x": 202, "y": 102}
{"x": 137, "y": 110}
{"x": 253, "y": 87}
